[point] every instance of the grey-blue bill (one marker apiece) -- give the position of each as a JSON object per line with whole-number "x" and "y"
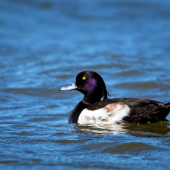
{"x": 69, "y": 87}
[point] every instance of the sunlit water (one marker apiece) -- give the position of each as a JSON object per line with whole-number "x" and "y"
{"x": 44, "y": 45}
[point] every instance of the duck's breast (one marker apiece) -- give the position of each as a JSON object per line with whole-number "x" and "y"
{"x": 110, "y": 114}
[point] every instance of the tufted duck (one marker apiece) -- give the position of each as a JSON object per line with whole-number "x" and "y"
{"x": 93, "y": 110}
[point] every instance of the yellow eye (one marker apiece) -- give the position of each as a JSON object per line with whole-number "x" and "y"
{"x": 83, "y": 78}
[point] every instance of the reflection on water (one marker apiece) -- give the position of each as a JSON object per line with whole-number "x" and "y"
{"x": 102, "y": 129}
{"x": 149, "y": 130}
{"x": 44, "y": 45}
{"x": 138, "y": 130}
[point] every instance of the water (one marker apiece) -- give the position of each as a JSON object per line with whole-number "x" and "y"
{"x": 44, "y": 45}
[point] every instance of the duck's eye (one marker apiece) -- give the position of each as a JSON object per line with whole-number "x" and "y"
{"x": 83, "y": 78}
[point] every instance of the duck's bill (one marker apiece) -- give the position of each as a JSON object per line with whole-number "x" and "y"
{"x": 70, "y": 87}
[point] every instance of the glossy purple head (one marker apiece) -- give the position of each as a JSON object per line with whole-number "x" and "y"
{"x": 91, "y": 85}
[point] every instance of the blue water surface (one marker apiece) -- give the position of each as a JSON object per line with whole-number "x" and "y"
{"x": 44, "y": 45}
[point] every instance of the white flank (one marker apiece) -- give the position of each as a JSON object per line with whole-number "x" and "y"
{"x": 103, "y": 115}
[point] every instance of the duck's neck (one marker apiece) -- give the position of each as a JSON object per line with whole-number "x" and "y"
{"x": 73, "y": 117}
{"x": 94, "y": 95}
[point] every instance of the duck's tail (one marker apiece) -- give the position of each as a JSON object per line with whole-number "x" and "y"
{"x": 167, "y": 105}
{"x": 165, "y": 111}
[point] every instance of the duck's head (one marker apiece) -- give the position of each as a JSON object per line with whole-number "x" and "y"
{"x": 91, "y": 85}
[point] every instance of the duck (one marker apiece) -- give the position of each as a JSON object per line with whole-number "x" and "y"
{"x": 97, "y": 108}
